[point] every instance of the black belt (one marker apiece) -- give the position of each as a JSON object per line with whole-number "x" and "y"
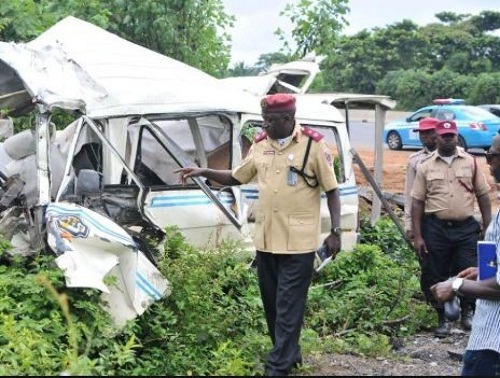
{"x": 450, "y": 223}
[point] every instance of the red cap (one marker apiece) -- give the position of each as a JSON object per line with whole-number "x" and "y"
{"x": 278, "y": 103}
{"x": 428, "y": 123}
{"x": 446, "y": 127}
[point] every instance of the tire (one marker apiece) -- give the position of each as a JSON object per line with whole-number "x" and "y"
{"x": 394, "y": 141}
{"x": 461, "y": 142}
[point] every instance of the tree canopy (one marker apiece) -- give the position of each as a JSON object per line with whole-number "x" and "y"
{"x": 192, "y": 31}
{"x": 455, "y": 56}
{"x": 316, "y": 25}
{"x": 457, "y": 47}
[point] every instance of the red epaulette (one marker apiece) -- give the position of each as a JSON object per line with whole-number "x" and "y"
{"x": 313, "y": 134}
{"x": 260, "y": 136}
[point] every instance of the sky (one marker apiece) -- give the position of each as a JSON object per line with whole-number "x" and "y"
{"x": 256, "y": 20}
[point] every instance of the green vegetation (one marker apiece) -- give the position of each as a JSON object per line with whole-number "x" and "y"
{"x": 428, "y": 61}
{"x": 213, "y": 322}
{"x": 456, "y": 56}
{"x": 192, "y": 31}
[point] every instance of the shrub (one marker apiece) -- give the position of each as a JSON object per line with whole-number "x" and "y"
{"x": 213, "y": 322}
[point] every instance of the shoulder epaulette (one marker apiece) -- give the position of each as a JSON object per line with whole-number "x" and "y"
{"x": 418, "y": 153}
{"x": 261, "y": 136}
{"x": 313, "y": 134}
{"x": 432, "y": 154}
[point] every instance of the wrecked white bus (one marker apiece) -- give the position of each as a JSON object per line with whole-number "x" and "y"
{"x": 130, "y": 138}
{"x": 105, "y": 183}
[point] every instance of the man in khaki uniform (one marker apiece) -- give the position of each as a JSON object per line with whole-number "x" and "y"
{"x": 446, "y": 232}
{"x": 287, "y": 220}
{"x": 482, "y": 354}
{"x": 427, "y": 136}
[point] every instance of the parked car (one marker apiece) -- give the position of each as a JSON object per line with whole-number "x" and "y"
{"x": 492, "y": 108}
{"x": 476, "y": 126}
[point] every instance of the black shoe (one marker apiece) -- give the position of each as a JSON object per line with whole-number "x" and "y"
{"x": 443, "y": 329}
{"x": 297, "y": 362}
{"x": 466, "y": 319}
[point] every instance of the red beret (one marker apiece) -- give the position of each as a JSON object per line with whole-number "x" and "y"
{"x": 428, "y": 123}
{"x": 278, "y": 103}
{"x": 446, "y": 127}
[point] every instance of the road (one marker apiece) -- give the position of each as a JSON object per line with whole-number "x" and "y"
{"x": 363, "y": 137}
{"x": 362, "y": 134}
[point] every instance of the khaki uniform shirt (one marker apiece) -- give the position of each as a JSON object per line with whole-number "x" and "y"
{"x": 448, "y": 190}
{"x": 287, "y": 216}
{"x": 411, "y": 170}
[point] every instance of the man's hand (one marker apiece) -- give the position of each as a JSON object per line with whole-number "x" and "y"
{"x": 420, "y": 248}
{"x": 333, "y": 243}
{"x": 188, "y": 172}
{"x": 469, "y": 273}
{"x": 442, "y": 291}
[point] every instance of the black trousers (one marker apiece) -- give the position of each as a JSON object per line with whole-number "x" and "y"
{"x": 451, "y": 247}
{"x": 284, "y": 282}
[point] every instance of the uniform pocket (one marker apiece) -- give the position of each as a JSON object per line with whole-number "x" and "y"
{"x": 434, "y": 176}
{"x": 436, "y": 182}
{"x": 464, "y": 177}
{"x": 302, "y": 232}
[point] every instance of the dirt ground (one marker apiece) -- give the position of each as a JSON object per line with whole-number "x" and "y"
{"x": 421, "y": 355}
{"x": 394, "y": 169}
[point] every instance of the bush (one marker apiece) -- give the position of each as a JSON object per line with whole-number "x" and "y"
{"x": 213, "y": 322}
{"x": 485, "y": 89}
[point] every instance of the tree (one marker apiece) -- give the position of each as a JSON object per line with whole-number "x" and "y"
{"x": 23, "y": 20}
{"x": 459, "y": 44}
{"x": 450, "y": 17}
{"x": 192, "y": 31}
{"x": 240, "y": 69}
{"x": 267, "y": 60}
{"x": 316, "y": 25}
{"x": 409, "y": 88}
{"x": 486, "y": 21}
{"x": 361, "y": 60}
{"x": 485, "y": 89}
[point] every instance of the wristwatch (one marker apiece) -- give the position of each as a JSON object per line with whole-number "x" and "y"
{"x": 337, "y": 231}
{"x": 456, "y": 284}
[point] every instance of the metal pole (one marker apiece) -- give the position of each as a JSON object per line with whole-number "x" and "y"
{"x": 368, "y": 176}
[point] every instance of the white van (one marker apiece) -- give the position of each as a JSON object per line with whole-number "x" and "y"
{"x": 125, "y": 167}
{"x": 145, "y": 115}
{"x": 104, "y": 185}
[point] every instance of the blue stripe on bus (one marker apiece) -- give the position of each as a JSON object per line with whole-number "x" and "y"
{"x": 190, "y": 201}
{"x": 194, "y": 199}
{"x": 147, "y": 286}
{"x": 343, "y": 191}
